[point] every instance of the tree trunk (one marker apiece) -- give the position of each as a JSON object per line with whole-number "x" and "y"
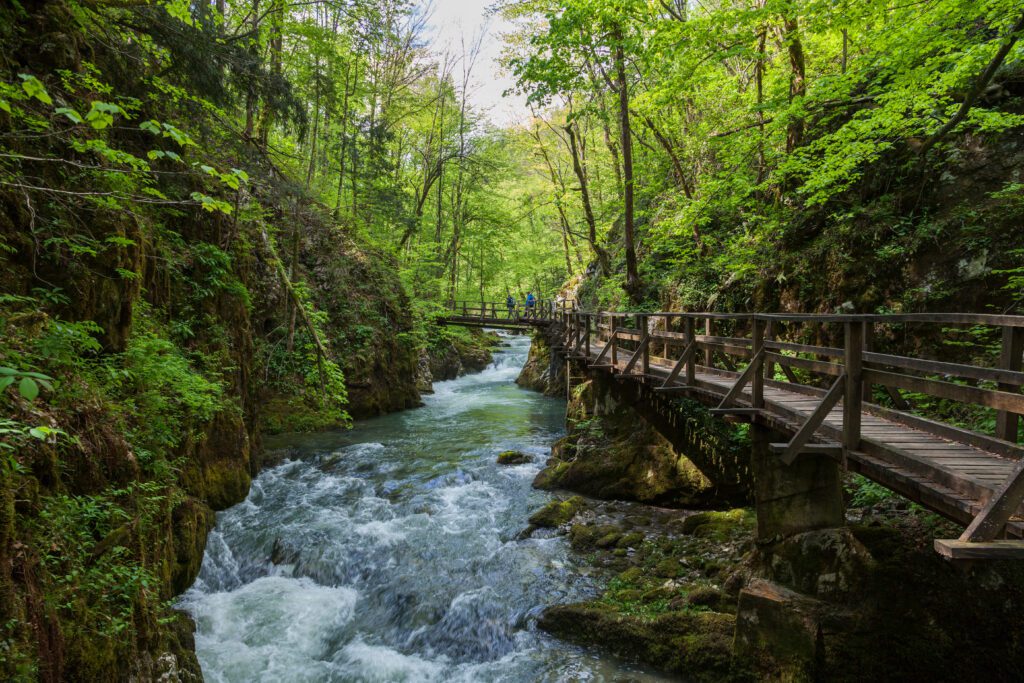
{"x": 797, "y": 80}
{"x": 343, "y": 147}
{"x": 588, "y": 211}
{"x": 633, "y": 284}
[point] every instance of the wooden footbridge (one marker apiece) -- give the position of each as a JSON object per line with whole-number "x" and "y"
{"x": 863, "y": 390}
{"x": 500, "y": 316}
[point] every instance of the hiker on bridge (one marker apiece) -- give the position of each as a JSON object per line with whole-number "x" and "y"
{"x": 510, "y": 301}
{"x": 531, "y": 304}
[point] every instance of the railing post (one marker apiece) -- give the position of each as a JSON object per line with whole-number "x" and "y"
{"x": 614, "y": 342}
{"x": 757, "y": 348}
{"x": 464, "y": 315}
{"x": 691, "y": 361}
{"x": 853, "y": 349}
{"x": 668, "y": 328}
{"x": 708, "y": 353}
{"x": 586, "y": 341}
{"x": 1007, "y": 423}
{"x": 769, "y": 335}
{"x": 645, "y": 357}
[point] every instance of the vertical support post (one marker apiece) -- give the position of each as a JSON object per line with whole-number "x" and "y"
{"x": 769, "y": 335}
{"x": 464, "y": 313}
{"x": 586, "y": 340}
{"x": 757, "y": 347}
{"x": 1007, "y": 423}
{"x": 869, "y": 340}
{"x": 708, "y": 353}
{"x": 645, "y": 358}
{"x": 668, "y": 328}
{"x": 614, "y": 342}
{"x": 853, "y": 349}
{"x": 691, "y": 362}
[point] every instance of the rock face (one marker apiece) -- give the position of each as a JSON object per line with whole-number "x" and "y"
{"x": 460, "y": 353}
{"x": 160, "y": 343}
{"x": 542, "y": 372}
{"x": 612, "y": 453}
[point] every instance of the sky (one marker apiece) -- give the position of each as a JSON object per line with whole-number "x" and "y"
{"x": 450, "y": 21}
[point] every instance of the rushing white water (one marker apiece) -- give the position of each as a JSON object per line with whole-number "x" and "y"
{"x": 389, "y": 552}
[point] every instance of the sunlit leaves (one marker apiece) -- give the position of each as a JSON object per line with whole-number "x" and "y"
{"x": 101, "y": 114}
{"x": 34, "y": 88}
{"x": 211, "y": 204}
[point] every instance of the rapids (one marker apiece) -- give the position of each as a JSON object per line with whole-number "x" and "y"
{"x": 389, "y": 552}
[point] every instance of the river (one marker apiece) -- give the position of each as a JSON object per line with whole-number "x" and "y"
{"x": 389, "y": 552}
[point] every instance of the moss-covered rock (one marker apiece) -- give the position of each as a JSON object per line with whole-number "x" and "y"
{"x": 459, "y": 351}
{"x": 513, "y": 458}
{"x": 557, "y": 513}
{"x": 542, "y": 371}
{"x": 612, "y": 453}
{"x": 717, "y": 525}
{"x": 697, "y": 645}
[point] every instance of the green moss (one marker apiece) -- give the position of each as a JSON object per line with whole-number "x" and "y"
{"x": 630, "y": 540}
{"x": 586, "y": 536}
{"x": 557, "y": 512}
{"x": 513, "y": 458}
{"x": 669, "y": 568}
{"x": 719, "y": 525}
{"x": 697, "y": 645}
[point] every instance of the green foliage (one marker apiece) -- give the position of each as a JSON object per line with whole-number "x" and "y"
{"x": 87, "y": 544}
{"x": 864, "y": 492}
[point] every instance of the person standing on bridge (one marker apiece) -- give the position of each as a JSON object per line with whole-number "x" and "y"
{"x": 531, "y": 303}
{"x": 510, "y": 301}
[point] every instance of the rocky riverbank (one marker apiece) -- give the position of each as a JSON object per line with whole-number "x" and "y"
{"x": 699, "y": 593}
{"x": 673, "y": 597}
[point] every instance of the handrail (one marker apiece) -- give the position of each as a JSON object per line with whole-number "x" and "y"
{"x": 778, "y": 341}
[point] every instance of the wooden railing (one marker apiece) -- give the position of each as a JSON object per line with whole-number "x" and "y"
{"x": 878, "y": 365}
{"x": 498, "y": 311}
{"x": 858, "y": 352}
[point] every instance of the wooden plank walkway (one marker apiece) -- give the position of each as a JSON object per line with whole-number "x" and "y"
{"x": 779, "y": 370}
{"x": 951, "y": 478}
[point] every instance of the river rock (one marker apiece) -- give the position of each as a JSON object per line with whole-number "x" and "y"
{"x": 513, "y": 458}
{"x": 697, "y": 644}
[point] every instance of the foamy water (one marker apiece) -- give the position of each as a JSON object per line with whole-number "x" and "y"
{"x": 389, "y": 553}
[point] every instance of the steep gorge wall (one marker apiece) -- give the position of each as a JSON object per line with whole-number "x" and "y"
{"x": 172, "y": 337}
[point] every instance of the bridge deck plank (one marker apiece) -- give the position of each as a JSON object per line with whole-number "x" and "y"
{"x": 949, "y": 477}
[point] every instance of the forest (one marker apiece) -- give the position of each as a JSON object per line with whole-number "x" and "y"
{"x": 228, "y": 220}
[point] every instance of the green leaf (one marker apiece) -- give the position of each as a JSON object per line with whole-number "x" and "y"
{"x": 101, "y": 116}
{"x": 5, "y": 105}
{"x": 28, "y": 388}
{"x": 73, "y": 115}
{"x": 6, "y": 382}
{"x": 150, "y": 126}
{"x": 40, "y": 433}
{"x": 36, "y": 375}
{"x": 33, "y": 87}
{"x": 8, "y": 371}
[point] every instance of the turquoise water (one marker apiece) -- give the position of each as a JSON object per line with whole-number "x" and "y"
{"x": 389, "y": 552}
